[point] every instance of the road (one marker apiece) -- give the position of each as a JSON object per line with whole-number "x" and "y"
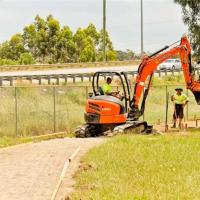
{"x": 68, "y": 71}
{"x": 31, "y": 171}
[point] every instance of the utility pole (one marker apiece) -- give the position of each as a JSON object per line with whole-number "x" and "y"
{"x": 104, "y": 30}
{"x": 142, "y": 36}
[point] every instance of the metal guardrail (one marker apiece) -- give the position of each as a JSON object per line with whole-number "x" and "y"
{"x": 65, "y": 78}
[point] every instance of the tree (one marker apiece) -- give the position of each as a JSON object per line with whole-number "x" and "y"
{"x": 110, "y": 53}
{"x": 53, "y": 32}
{"x": 85, "y": 46}
{"x": 66, "y": 48}
{"x": 93, "y": 33}
{"x": 88, "y": 53}
{"x": 30, "y": 39}
{"x": 191, "y": 17}
{"x": 12, "y": 49}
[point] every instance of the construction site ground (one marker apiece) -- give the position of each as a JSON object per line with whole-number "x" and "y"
{"x": 186, "y": 127}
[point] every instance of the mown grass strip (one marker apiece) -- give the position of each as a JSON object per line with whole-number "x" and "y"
{"x": 11, "y": 141}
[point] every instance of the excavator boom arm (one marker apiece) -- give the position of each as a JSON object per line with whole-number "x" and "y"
{"x": 150, "y": 64}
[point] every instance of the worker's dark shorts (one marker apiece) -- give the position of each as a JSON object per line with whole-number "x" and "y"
{"x": 178, "y": 111}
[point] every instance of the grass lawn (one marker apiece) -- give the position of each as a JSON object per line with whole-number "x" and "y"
{"x": 133, "y": 167}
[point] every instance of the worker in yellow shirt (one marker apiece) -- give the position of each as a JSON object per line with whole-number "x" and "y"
{"x": 107, "y": 90}
{"x": 180, "y": 100}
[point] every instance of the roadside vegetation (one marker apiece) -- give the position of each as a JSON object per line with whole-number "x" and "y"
{"x": 141, "y": 167}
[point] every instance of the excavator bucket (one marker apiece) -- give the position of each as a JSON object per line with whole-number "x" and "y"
{"x": 197, "y": 96}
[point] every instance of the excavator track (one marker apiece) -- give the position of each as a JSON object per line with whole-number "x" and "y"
{"x": 137, "y": 126}
{"x": 87, "y": 130}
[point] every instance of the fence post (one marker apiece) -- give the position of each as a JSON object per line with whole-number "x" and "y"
{"x": 86, "y": 92}
{"x": 166, "y": 112}
{"x": 54, "y": 109}
{"x": 16, "y": 113}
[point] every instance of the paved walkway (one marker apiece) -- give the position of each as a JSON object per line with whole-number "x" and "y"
{"x": 31, "y": 171}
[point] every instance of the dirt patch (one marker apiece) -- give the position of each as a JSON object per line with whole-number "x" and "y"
{"x": 186, "y": 126}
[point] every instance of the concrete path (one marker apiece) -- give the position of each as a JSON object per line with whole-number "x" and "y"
{"x": 31, "y": 171}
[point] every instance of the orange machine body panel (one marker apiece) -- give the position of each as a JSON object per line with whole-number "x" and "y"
{"x": 107, "y": 112}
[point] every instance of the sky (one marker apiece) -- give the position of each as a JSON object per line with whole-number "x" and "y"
{"x": 162, "y": 19}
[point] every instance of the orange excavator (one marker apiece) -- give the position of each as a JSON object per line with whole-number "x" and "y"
{"x": 104, "y": 112}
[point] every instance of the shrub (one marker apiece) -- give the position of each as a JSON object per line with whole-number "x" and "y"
{"x": 26, "y": 59}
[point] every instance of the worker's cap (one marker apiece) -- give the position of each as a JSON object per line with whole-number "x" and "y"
{"x": 179, "y": 89}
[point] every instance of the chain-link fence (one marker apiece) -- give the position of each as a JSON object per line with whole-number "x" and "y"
{"x": 28, "y": 111}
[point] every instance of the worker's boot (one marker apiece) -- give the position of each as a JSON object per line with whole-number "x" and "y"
{"x": 180, "y": 126}
{"x": 174, "y": 125}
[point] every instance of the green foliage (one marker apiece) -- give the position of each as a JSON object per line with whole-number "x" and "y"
{"x": 8, "y": 62}
{"x": 110, "y": 53}
{"x": 191, "y": 17}
{"x": 26, "y": 59}
{"x": 47, "y": 42}
{"x": 12, "y": 49}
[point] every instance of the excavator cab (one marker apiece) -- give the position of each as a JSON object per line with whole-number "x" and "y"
{"x": 112, "y": 109}
{"x": 99, "y": 78}
{"x": 105, "y": 112}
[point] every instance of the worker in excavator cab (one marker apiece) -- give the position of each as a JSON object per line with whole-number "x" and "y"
{"x": 180, "y": 100}
{"x": 107, "y": 89}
